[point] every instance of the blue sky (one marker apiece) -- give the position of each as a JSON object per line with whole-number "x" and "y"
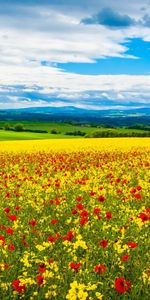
{"x": 92, "y": 54}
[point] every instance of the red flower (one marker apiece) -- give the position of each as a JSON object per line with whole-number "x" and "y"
{"x": 79, "y": 198}
{"x": 125, "y": 257}
{"x": 75, "y": 266}
{"x": 96, "y": 210}
{"x": 79, "y": 206}
{"x": 33, "y": 223}
{"x": 40, "y": 279}
{"x": 101, "y": 198}
{"x": 11, "y": 247}
{"x": 9, "y": 231}
{"x": 2, "y": 240}
{"x": 132, "y": 245}
{"x": 17, "y": 287}
{"x": 138, "y": 196}
{"x": 69, "y": 236}
{"x": 51, "y": 239}
{"x": 42, "y": 268}
{"x": 144, "y": 217}
{"x": 103, "y": 243}
{"x": 108, "y": 215}
{"x": 7, "y": 210}
{"x": 54, "y": 221}
{"x": 12, "y": 217}
{"x": 84, "y": 213}
{"x": 100, "y": 268}
{"x": 83, "y": 221}
{"x": 122, "y": 285}
{"x": 74, "y": 212}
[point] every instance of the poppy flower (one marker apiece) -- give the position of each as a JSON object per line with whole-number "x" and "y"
{"x": 103, "y": 243}
{"x": 132, "y": 245}
{"x": 101, "y": 198}
{"x": 83, "y": 221}
{"x": 122, "y": 285}
{"x": 74, "y": 212}
{"x": 96, "y": 210}
{"x": 18, "y": 287}
{"x": 39, "y": 279}
{"x": 7, "y": 210}
{"x": 54, "y": 221}
{"x": 42, "y": 268}
{"x": 69, "y": 236}
{"x": 2, "y": 240}
{"x": 12, "y": 217}
{"x": 79, "y": 206}
{"x": 51, "y": 239}
{"x": 125, "y": 257}
{"x": 100, "y": 268}
{"x": 9, "y": 230}
{"x": 138, "y": 196}
{"x": 144, "y": 217}
{"x": 75, "y": 266}
{"x": 11, "y": 247}
{"x": 108, "y": 215}
{"x": 33, "y": 223}
{"x": 84, "y": 213}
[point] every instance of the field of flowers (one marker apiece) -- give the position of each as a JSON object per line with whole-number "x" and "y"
{"x": 74, "y": 219}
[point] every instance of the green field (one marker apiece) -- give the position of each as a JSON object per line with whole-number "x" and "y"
{"x": 62, "y": 128}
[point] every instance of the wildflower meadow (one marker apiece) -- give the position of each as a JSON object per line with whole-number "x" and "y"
{"x": 74, "y": 219}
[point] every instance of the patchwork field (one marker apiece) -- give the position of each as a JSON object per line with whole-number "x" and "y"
{"x": 74, "y": 218}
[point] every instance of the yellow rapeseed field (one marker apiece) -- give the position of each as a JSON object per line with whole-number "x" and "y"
{"x": 74, "y": 217}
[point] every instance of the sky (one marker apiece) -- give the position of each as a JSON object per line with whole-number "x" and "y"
{"x": 92, "y": 54}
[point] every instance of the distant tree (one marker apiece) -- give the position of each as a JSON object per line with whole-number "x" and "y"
{"x": 7, "y": 126}
{"x": 19, "y": 127}
{"x": 55, "y": 131}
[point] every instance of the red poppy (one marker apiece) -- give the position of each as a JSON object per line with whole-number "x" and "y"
{"x": 12, "y": 217}
{"x": 51, "y": 239}
{"x": 74, "y": 212}
{"x": 132, "y": 245}
{"x": 2, "y": 240}
{"x": 125, "y": 257}
{"x": 83, "y": 221}
{"x": 9, "y": 231}
{"x": 79, "y": 206}
{"x": 54, "y": 221}
{"x": 101, "y": 198}
{"x": 84, "y": 213}
{"x": 33, "y": 223}
{"x": 122, "y": 285}
{"x": 42, "y": 268}
{"x": 79, "y": 199}
{"x": 108, "y": 215}
{"x": 11, "y": 247}
{"x": 100, "y": 268}
{"x": 144, "y": 217}
{"x": 7, "y": 210}
{"x": 75, "y": 266}
{"x": 103, "y": 243}
{"x": 138, "y": 196}
{"x": 96, "y": 210}
{"x": 40, "y": 279}
{"x": 69, "y": 236}
{"x": 18, "y": 287}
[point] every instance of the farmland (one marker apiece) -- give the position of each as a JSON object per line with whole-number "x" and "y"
{"x": 74, "y": 219}
{"x": 62, "y": 130}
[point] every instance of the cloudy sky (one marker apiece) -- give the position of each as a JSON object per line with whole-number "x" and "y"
{"x": 92, "y": 54}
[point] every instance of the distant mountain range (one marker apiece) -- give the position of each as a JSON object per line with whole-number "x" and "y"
{"x": 71, "y": 113}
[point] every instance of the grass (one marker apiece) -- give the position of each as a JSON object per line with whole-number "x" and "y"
{"x": 63, "y": 128}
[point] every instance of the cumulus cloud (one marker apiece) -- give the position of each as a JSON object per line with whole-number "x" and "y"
{"x": 110, "y": 18}
{"x": 37, "y": 35}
